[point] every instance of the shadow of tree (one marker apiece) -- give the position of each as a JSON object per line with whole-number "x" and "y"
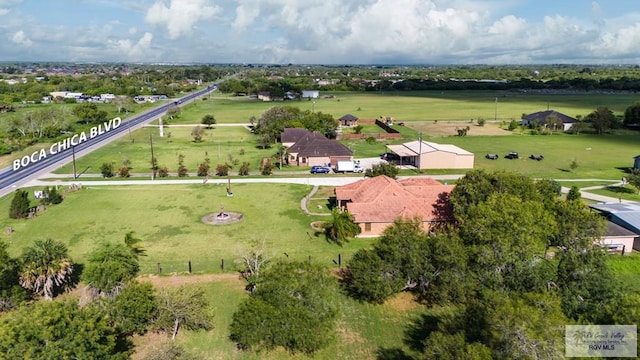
{"x": 392, "y": 354}
{"x": 621, "y": 190}
{"x": 418, "y": 330}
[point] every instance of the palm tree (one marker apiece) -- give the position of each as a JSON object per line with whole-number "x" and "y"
{"x": 134, "y": 244}
{"x": 46, "y": 268}
{"x": 341, "y": 226}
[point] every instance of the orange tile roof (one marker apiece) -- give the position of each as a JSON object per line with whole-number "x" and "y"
{"x": 382, "y": 199}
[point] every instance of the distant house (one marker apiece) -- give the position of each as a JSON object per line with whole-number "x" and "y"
{"x": 541, "y": 116}
{"x": 264, "y": 96}
{"x": 623, "y": 228}
{"x": 307, "y": 148}
{"x": 377, "y": 202}
{"x": 311, "y": 94}
{"x": 430, "y": 155}
{"x": 348, "y": 120}
{"x": 636, "y": 162}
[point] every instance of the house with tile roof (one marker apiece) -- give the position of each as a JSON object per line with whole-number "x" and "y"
{"x": 307, "y": 148}
{"x": 377, "y": 202}
{"x": 541, "y": 116}
{"x": 430, "y": 155}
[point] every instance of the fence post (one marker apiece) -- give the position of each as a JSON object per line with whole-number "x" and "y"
{"x": 340, "y": 260}
{"x": 189, "y": 266}
{"x": 309, "y": 258}
{"x": 159, "y": 269}
{"x": 222, "y": 265}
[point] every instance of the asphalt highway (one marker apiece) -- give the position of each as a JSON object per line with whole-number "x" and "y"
{"x": 11, "y": 179}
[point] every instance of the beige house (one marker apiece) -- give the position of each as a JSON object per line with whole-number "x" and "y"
{"x": 618, "y": 239}
{"x": 377, "y": 202}
{"x": 430, "y": 155}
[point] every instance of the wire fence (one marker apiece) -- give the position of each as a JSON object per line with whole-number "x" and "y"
{"x": 208, "y": 265}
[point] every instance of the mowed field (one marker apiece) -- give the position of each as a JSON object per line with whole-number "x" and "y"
{"x": 417, "y": 106}
{"x": 168, "y": 220}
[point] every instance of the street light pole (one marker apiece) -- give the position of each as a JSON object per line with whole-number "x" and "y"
{"x": 153, "y": 162}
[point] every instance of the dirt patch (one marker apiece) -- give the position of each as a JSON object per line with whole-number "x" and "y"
{"x": 222, "y": 218}
{"x": 448, "y": 128}
{"x": 178, "y": 280}
{"x": 402, "y": 302}
{"x": 317, "y": 226}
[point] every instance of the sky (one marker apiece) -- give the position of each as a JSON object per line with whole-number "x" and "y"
{"x": 422, "y": 32}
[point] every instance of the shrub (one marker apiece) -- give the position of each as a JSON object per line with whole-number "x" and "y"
{"x": 370, "y": 140}
{"x": 107, "y": 170}
{"x": 481, "y": 122}
{"x": 163, "y": 172}
{"x": 123, "y": 172}
{"x": 222, "y": 169}
{"x": 19, "y": 205}
{"x": 244, "y": 169}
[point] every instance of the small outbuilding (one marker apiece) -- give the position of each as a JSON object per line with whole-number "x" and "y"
{"x": 430, "y": 155}
{"x": 623, "y": 226}
{"x": 348, "y": 120}
{"x": 636, "y": 162}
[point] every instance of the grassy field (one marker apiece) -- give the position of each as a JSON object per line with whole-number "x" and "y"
{"x": 416, "y": 106}
{"x": 168, "y": 220}
{"x": 363, "y": 330}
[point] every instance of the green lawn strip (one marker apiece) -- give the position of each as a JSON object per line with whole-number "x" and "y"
{"x": 586, "y": 184}
{"x": 168, "y": 220}
{"x": 627, "y": 192}
{"x": 627, "y": 270}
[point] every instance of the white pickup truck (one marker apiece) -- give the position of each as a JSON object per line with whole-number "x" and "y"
{"x": 348, "y": 166}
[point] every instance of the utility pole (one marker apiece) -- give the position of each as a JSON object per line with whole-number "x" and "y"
{"x": 73, "y": 155}
{"x": 153, "y": 159}
{"x": 420, "y": 153}
{"x": 495, "y": 117}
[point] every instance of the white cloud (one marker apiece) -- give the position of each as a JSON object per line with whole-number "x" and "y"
{"x": 181, "y": 15}
{"x": 20, "y": 38}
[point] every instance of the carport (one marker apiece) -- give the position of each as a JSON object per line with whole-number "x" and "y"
{"x": 407, "y": 156}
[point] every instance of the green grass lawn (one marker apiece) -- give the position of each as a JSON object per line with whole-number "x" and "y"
{"x": 220, "y": 145}
{"x": 626, "y": 270}
{"x": 168, "y": 220}
{"x": 414, "y": 106}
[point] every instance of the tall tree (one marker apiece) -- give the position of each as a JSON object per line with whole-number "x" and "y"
{"x": 109, "y": 267}
{"x": 11, "y": 293}
{"x": 632, "y": 115}
{"x": 46, "y": 268}
{"x": 60, "y": 330}
{"x": 602, "y": 119}
{"x": 293, "y": 307}
{"x": 19, "y": 205}
{"x": 505, "y": 234}
{"x": 185, "y": 307}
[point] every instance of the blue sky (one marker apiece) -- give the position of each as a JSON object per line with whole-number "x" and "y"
{"x": 322, "y": 31}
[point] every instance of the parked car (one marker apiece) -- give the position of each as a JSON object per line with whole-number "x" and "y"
{"x": 492, "y": 156}
{"x": 320, "y": 170}
{"x": 401, "y": 123}
{"x": 536, "y": 157}
{"x": 512, "y": 155}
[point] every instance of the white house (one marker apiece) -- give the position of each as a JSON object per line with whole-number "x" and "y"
{"x": 313, "y": 94}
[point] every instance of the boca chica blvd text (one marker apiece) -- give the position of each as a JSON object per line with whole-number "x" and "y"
{"x": 67, "y": 143}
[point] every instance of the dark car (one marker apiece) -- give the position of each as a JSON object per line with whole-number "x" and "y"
{"x": 320, "y": 170}
{"x": 492, "y": 156}
{"x": 512, "y": 155}
{"x": 536, "y": 157}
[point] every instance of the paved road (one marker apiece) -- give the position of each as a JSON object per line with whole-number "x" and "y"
{"x": 316, "y": 180}
{"x": 11, "y": 179}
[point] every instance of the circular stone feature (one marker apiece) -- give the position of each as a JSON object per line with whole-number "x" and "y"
{"x": 222, "y": 218}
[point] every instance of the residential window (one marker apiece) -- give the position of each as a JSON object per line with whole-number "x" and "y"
{"x": 304, "y": 160}
{"x": 367, "y": 226}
